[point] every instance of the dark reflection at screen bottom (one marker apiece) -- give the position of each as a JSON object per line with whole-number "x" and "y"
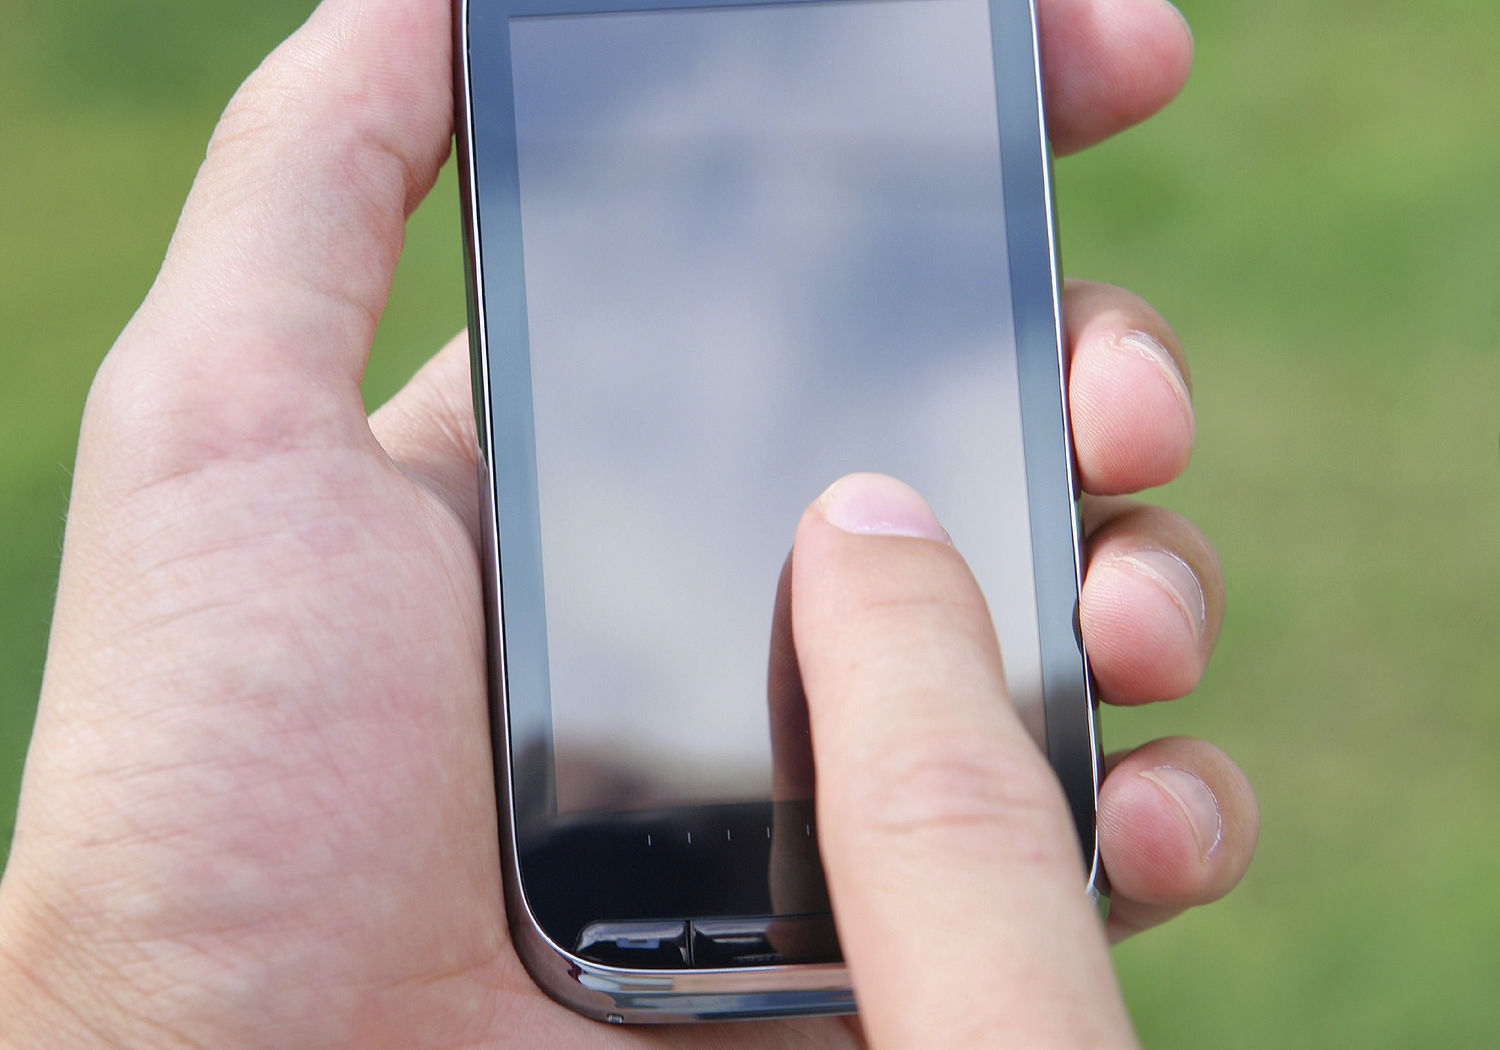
{"x": 689, "y": 862}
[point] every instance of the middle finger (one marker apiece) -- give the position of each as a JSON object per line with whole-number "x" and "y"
{"x": 1128, "y": 391}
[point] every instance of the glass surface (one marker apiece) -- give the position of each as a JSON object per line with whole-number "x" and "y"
{"x": 763, "y": 247}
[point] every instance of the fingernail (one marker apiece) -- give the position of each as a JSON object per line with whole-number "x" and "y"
{"x": 879, "y": 505}
{"x": 1196, "y": 801}
{"x": 1177, "y": 578}
{"x": 1150, "y": 349}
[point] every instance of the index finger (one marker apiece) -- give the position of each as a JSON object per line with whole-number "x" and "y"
{"x": 950, "y": 856}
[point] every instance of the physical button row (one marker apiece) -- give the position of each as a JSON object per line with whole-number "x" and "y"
{"x": 710, "y": 943}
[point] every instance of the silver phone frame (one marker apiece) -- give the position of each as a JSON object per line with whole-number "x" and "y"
{"x": 614, "y": 994}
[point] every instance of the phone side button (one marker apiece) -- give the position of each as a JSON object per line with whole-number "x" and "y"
{"x": 636, "y": 945}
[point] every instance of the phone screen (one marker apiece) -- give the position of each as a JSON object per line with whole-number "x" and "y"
{"x": 764, "y": 247}
{"x": 746, "y": 250}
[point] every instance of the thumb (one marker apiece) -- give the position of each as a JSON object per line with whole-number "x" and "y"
{"x": 255, "y": 334}
{"x": 951, "y": 859}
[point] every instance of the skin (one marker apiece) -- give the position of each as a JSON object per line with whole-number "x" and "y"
{"x": 257, "y": 810}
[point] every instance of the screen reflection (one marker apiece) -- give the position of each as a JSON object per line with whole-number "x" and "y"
{"x": 763, "y": 247}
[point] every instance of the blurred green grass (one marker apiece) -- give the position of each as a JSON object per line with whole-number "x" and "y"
{"x": 1317, "y": 215}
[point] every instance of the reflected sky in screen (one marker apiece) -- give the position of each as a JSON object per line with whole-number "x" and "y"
{"x": 763, "y": 247}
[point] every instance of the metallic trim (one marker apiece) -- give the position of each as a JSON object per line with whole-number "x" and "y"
{"x": 1097, "y": 886}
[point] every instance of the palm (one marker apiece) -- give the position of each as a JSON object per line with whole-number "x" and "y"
{"x": 319, "y": 792}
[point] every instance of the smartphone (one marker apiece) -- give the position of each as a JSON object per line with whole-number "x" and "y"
{"x": 721, "y": 253}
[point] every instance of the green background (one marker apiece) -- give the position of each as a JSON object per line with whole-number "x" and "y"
{"x": 1319, "y": 216}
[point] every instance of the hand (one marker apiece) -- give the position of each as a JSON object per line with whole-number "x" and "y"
{"x": 257, "y": 809}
